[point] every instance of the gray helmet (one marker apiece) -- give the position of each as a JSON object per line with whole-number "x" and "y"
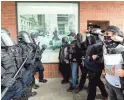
{"x": 24, "y": 37}
{"x": 6, "y": 40}
{"x": 96, "y": 31}
{"x": 34, "y": 34}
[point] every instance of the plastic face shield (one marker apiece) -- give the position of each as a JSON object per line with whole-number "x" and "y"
{"x": 7, "y": 39}
{"x": 27, "y": 38}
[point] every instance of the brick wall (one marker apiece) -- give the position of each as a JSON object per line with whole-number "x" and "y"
{"x": 8, "y": 17}
{"x": 107, "y": 11}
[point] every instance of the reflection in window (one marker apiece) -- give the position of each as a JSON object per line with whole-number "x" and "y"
{"x": 48, "y": 23}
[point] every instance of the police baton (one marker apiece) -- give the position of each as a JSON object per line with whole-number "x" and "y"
{"x": 6, "y": 89}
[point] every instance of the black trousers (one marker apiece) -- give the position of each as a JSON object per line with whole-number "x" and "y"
{"x": 39, "y": 68}
{"x": 84, "y": 72}
{"x": 94, "y": 81}
{"x": 65, "y": 70}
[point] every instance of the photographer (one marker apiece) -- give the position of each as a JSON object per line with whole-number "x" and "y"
{"x": 64, "y": 65}
{"x": 114, "y": 47}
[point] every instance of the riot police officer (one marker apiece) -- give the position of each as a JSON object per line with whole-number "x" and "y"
{"x": 10, "y": 61}
{"x": 26, "y": 43}
{"x": 38, "y": 64}
{"x": 64, "y": 66}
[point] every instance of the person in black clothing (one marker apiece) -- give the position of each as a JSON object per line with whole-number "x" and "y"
{"x": 38, "y": 63}
{"x": 64, "y": 66}
{"x": 80, "y": 53}
{"x": 94, "y": 64}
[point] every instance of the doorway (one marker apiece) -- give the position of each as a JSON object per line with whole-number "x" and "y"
{"x": 98, "y": 24}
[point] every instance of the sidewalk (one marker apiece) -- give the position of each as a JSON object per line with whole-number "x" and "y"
{"x": 54, "y": 90}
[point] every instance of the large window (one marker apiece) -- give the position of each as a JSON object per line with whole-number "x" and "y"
{"x": 52, "y": 20}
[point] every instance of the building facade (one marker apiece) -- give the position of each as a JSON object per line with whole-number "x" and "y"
{"x": 102, "y": 13}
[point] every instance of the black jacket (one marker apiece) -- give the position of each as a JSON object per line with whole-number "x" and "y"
{"x": 94, "y": 65}
{"x": 72, "y": 51}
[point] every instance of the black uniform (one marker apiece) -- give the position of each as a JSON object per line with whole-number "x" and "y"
{"x": 38, "y": 63}
{"x": 11, "y": 60}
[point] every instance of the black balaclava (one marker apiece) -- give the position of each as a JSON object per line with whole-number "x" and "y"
{"x": 79, "y": 40}
{"x": 64, "y": 41}
{"x": 91, "y": 40}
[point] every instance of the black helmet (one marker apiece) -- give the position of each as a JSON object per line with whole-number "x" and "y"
{"x": 65, "y": 40}
{"x": 24, "y": 37}
{"x": 80, "y": 37}
{"x": 6, "y": 40}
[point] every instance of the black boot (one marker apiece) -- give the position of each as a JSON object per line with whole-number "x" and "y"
{"x": 70, "y": 89}
{"x": 64, "y": 81}
{"x": 35, "y": 86}
{"x": 78, "y": 89}
{"x": 99, "y": 96}
{"x": 43, "y": 80}
{"x": 30, "y": 93}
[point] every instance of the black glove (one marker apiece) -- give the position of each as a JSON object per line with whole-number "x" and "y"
{"x": 44, "y": 46}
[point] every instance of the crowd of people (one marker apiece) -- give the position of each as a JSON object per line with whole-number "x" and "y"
{"x": 97, "y": 51}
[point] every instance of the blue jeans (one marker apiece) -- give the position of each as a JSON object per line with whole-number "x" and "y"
{"x": 74, "y": 68}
